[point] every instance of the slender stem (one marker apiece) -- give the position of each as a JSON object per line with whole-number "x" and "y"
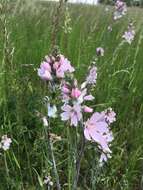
{"x": 78, "y": 161}
{"x": 6, "y": 166}
{"x": 53, "y": 159}
{"x": 55, "y": 167}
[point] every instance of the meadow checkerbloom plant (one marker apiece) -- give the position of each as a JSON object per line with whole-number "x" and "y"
{"x": 69, "y": 101}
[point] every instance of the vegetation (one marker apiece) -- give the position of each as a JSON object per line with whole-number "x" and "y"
{"x": 25, "y": 38}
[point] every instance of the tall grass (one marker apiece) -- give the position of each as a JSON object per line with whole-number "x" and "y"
{"x": 119, "y": 84}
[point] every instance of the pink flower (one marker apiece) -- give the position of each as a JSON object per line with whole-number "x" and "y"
{"x": 87, "y": 109}
{"x": 84, "y": 97}
{"x": 91, "y": 78}
{"x": 100, "y": 51}
{"x": 63, "y": 66}
{"x": 96, "y": 129}
{"x": 44, "y": 72}
{"x": 75, "y": 93}
{"x": 110, "y": 115}
{"x": 72, "y": 113}
{"x": 65, "y": 89}
{"x": 89, "y": 97}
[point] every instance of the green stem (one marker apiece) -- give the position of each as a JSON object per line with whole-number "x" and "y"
{"x": 6, "y": 166}
{"x": 51, "y": 150}
{"x": 78, "y": 161}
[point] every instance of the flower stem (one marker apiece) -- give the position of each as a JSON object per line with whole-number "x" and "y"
{"x": 78, "y": 161}
{"x": 53, "y": 159}
{"x": 54, "y": 166}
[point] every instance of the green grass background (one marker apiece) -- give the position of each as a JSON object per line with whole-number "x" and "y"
{"x": 119, "y": 84}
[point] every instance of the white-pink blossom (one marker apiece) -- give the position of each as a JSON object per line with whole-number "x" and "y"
{"x": 72, "y": 113}
{"x": 100, "y": 51}
{"x": 5, "y": 142}
{"x": 44, "y": 72}
{"x": 129, "y": 35}
{"x": 120, "y": 9}
{"x": 110, "y": 115}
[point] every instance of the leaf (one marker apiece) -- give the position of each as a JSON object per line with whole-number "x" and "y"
{"x": 16, "y": 161}
{"x": 39, "y": 178}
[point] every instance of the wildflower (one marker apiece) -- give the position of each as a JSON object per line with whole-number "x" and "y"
{"x": 62, "y": 66}
{"x": 5, "y": 142}
{"x": 120, "y": 9}
{"x": 47, "y": 181}
{"x": 52, "y": 111}
{"x": 74, "y": 93}
{"x": 53, "y": 67}
{"x": 65, "y": 89}
{"x": 44, "y": 72}
{"x": 110, "y": 115}
{"x": 129, "y": 35}
{"x": 91, "y": 78}
{"x": 100, "y": 51}
{"x": 84, "y": 97}
{"x": 72, "y": 113}
{"x": 96, "y": 129}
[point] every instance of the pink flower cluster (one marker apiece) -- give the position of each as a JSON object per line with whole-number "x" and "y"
{"x": 53, "y": 67}
{"x": 120, "y": 9}
{"x": 75, "y": 100}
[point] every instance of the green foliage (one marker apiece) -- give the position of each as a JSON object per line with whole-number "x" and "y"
{"x": 119, "y": 85}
